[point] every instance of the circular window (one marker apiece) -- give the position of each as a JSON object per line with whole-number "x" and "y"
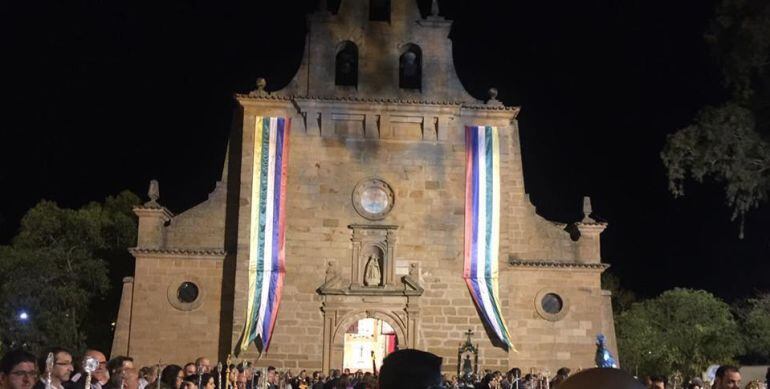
{"x": 187, "y": 292}
{"x": 373, "y": 198}
{"x": 552, "y": 303}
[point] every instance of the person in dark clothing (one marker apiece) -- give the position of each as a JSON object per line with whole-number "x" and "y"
{"x": 171, "y": 377}
{"x": 410, "y": 369}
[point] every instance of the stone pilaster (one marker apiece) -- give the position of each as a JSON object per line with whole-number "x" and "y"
{"x": 151, "y": 223}
{"x": 121, "y": 339}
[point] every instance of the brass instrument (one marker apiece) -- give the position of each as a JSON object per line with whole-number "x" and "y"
{"x": 227, "y": 371}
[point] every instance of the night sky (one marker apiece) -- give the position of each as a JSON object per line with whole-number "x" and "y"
{"x": 102, "y": 96}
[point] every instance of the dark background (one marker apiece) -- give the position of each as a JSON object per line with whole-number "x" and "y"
{"x": 102, "y": 96}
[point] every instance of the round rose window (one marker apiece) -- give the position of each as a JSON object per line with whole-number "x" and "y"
{"x": 373, "y": 198}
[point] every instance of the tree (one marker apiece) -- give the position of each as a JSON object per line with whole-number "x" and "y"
{"x": 56, "y": 268}
{"x": 754, "y": 317}
{"x": 621, "y": 298}
{"x": 682, "y": 330}
{"x": 728, "y": 143}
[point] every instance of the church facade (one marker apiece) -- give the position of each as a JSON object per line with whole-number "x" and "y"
{"x": 375, "y": 216}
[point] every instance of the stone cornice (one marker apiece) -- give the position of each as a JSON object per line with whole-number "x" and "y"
{"x": 248, "y": 98}
{"x": 178, "y": 253}
{"x": 378, "y": 100}
{"x": 557, "y": 264}
{"x": 150, "y": 209}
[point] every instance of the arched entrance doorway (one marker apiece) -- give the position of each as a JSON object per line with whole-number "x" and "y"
{"x": 366, "y": 342}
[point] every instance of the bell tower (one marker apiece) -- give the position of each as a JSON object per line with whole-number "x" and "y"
{"x": 378, "y": 49}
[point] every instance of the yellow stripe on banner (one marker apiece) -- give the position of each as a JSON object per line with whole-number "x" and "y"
{"x": 254, "y": 231}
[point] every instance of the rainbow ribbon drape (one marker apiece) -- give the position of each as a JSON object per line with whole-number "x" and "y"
{"x": 482, "y": 225}
{"x": 266, "y": 249}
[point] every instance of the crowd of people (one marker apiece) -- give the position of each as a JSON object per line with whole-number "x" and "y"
{"x": 403, "y": 369}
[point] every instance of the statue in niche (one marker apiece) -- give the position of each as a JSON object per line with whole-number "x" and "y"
{"x": 373, "y": 272}
{"x": 467, "y": 368}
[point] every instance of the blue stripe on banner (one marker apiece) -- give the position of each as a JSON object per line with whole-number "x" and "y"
{"x": 274, "y": 254}
{"x": 475, "y": 205}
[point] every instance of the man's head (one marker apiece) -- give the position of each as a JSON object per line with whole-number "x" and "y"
{"x": 18, "y": 370}
{"x": 272, "y": 376}
{"x": 410, "y": 369}
{"x": 243, "y": 377}
{"x": 130, "y": 377}
{"x": 190, "y": 369}
{"x": 124, "y": 378}
{"x": 657, "y": 382}
{"x": 727, "y": 377}
{"x": 101, "y": 374}
{"x": 62, "y": 365}
{"x": 204, "y": 364}
{"x": 120, "y": 362}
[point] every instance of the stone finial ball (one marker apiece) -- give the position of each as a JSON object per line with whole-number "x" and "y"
{"x": 492, "y": 93}
{"x": 261, "y": 83}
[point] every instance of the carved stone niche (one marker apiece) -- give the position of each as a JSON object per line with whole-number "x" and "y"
{"x": 373, "y": 256}
{"x": 373, "y": 267}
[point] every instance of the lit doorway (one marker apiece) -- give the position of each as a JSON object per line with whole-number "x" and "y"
{"x": 367, "y": 342}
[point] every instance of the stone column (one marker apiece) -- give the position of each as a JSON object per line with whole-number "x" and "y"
{"x": 589, "y": 244}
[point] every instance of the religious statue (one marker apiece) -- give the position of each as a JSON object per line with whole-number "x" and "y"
{"x": 373, "y": 273}
{"x": 467, "y": 367}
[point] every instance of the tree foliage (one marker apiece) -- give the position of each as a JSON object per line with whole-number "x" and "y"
{"x": 754, "y": 318}
{"x": 56, "y": 267}
{"x": 681, "y": 330}
{"x": 728, "y": 143}
{"x": 722, "y": 144}
{"x": 621, "y": 298}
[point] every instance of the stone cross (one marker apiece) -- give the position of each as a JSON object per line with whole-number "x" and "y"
{"x": 468, "y": 334}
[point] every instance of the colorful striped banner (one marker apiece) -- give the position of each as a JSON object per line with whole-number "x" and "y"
{"x": 482, "y": 225}
{"x": 266, "y": 242}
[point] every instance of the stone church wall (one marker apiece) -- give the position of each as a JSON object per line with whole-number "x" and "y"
{"x": 161, "y": 328}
